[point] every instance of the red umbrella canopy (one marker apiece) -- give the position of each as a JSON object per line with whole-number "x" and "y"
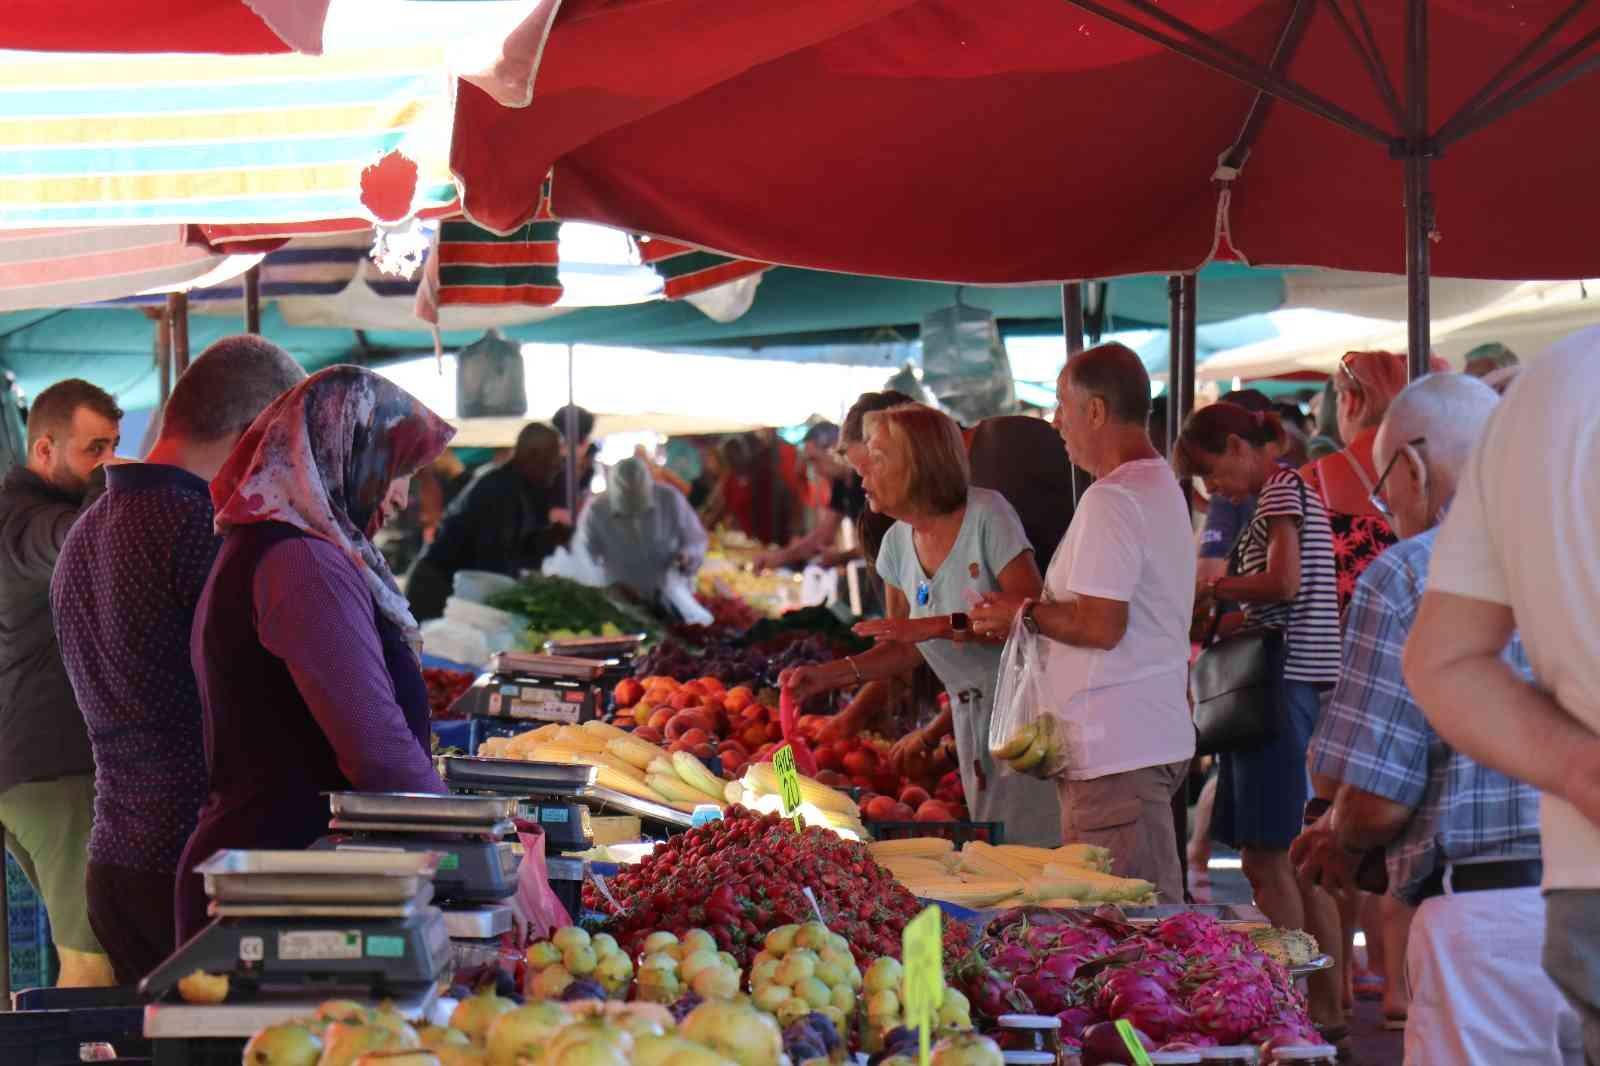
{"x": 229, "y": 27}
{"x": 1035, "y": 140}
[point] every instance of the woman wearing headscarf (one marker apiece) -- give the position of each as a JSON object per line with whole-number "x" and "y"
{"x": 303, "y": 647}
{"x": 640, "y": 530}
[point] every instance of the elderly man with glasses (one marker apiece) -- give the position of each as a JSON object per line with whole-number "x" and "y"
{"x": 1461, "y": 841}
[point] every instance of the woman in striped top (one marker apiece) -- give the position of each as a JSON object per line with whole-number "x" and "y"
{"x": 1281, "y": 572}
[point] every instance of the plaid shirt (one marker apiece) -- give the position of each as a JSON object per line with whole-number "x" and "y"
{"x": 1373, "y": 737}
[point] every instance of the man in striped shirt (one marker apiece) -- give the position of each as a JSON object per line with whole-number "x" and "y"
{"x": 1461, "y": 840}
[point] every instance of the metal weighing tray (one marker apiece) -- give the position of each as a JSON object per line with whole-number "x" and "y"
{"x": 495, "y": 830}
{"x": 420, "y": 807}
{"x": 479, "y": 923}
{"x": 393, "y": 877}
{"x": 515, "y": 776}
{"x": 595, "y": 647}
{"x": 1236, "y": 913}
{"x": 1320, "y": 962}
{"x": 525, "y": 664}
{"x": 602, "y": 798}
{"x": 219, "y": 909}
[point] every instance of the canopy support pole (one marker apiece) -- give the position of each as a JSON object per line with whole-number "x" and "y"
{"x": 1072, "y": 327}
{"x": 571, "y": 434}
{"x": 178, "y": 313}
{"x": 1174, "y": 359}
{"x": 1183, "y": 397}
{"x": 163, "y": 353}
{"x": 252, "y": 299}
{"x": 1418, "y": 192}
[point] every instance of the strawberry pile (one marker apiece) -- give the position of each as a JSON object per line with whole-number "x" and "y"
{"x": 747, "y": 874}
{"x": 444, "y": 688}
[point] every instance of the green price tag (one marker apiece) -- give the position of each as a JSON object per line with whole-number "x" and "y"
{"x": 922, "y": 952}
{"x": 1141, "y": 1057}
{"x": 788, "y": 784}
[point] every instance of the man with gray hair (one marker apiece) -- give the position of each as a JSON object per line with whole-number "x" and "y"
{"x": 123, "y": 597}
{"x": 1461, "y": 841}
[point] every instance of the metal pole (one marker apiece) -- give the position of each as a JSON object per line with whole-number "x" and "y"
{"x": 164, "y": 352}
{"x": 570, "y": 431}
{"x": 252, "y": 299}
{"x": 1183, "y": 398}
{"x": 178, "y": 312}
{"x": 1174, "y": 358}
{"x": 1418, "y": 191}
{"x": 1072, "y": 328}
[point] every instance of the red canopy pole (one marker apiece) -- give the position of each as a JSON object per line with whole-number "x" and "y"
{"x": 1418, "y": 191}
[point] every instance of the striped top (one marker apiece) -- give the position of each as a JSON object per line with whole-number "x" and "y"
{"x": 1311, "y": 620}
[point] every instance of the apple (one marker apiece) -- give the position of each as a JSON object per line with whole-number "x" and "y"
{"x": 879, "y": 809}
{"x": 659, "y": 719}
{"x": 914, "y": 796}
{"x": 649, "y": 735}
{"x": 935, "y": 811}
{"x": 903, "y": 813}
{"x": 860, "y": 763}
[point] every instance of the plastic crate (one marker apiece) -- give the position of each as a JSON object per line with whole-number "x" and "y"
{"x": 54, "y": 1037}
{"x": 959, "y": 833}
{"x": 32, "y": 958}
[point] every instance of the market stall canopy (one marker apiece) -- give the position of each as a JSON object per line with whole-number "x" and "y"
{"x": 1527, "y": 319}
{"x": 56, "y": 267}
{"x": 1034, "y": 141}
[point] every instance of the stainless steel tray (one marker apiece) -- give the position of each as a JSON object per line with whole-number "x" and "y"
{"x": 428, "y": 829}
{"x": 542, "y": 778}
{"x": 478, "y": 923}
{"x": 1320, "y": 962}
{"x": 602, "y": 798}
{"x": 364, "y": 877}
{"x": 516, "y": 663}
{"x": 595, "y": 647}
{"x": 420, "y": 807}
{"x": 181, "y": 1021}
{"x": 424, "y": 896}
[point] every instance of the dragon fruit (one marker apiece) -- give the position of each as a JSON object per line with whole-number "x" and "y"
{"x": 1074, "y": 1020}
{"x": 1166, "y": 971}
{"x": 1158, "y": 1017}
{"x": 1181, "y": 931}
{"x": 1049, "y": 992}
{"x": 1012, "y": 959}
{"x": 1125, "y": 981}
{"x": 1231, "y": 1008}
{"x": 1062, "y": 965}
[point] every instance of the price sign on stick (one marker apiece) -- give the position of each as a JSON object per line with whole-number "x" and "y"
{"x": 922, "y": 950}
{"x": 788, "y": 784}
{"x": 1141, "y": 1057}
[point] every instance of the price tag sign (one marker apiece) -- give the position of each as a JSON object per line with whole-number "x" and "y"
{"x": 1141, "y": 1057}
{"x": 922, "y": 952}
{"x": 788, "y": 784}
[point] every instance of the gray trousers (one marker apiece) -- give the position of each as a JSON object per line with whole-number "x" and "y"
{"x": 1572, "y": 957}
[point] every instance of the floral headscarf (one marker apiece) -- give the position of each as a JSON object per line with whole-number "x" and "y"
{"x": 321, "y": 459}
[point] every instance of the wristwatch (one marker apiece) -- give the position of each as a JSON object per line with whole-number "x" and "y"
{"x": 1029, "y": 623}
{"x": 960, "y": 623}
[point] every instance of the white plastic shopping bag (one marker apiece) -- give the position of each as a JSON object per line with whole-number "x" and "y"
{"x": 1024, "y": 732}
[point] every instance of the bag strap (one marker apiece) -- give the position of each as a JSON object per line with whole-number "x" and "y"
{"x": 1360, "y": 472}
{"x": 1233, "y": 553}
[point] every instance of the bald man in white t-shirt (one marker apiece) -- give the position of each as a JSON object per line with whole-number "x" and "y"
{"x": 1521, "y": 550}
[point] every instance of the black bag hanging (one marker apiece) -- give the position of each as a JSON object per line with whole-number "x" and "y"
{"x": 1237, "y": 682}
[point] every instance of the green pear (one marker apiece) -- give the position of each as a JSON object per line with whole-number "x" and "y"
{"x": 290, "y": 1044}
{"x": 524, "y": 1032}
{"x": 345, "y": 1042}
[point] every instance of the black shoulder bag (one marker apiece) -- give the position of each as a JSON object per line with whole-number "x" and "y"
{"x": 1237, "y": 682}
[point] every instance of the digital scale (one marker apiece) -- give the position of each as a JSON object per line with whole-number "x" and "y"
{"x": 615, "y": 655}
{"x": 307, "y": 925}
{"x": 521, "y": 687}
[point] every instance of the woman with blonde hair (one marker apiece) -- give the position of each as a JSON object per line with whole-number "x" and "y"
{"x": 951, "y": 544}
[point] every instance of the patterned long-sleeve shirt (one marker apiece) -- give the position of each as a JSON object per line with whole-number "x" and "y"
{"x": 1374, "y": 737}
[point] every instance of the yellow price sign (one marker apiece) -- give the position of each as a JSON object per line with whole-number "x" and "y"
{"x": 1141, "y": 1057}
{"x": 922, "y": 954}
{"x": 788, "y": 784}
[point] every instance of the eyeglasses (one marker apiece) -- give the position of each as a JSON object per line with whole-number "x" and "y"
{"x": 1378, "y": 502}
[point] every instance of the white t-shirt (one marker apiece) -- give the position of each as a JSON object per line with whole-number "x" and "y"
{"x": 1524, "y": 531}
{"x": 1130, "y": 540}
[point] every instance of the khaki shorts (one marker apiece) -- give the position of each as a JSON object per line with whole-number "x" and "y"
{"x": 47, "y": 827}
{"x": 1130, "y": 815}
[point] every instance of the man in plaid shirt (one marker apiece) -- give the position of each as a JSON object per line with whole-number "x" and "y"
{"x": 1461, "y": 841}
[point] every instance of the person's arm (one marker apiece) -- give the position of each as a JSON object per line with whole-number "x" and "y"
{"x": 1280, "y": 581}
{"x": 803, "y": 549}
{"x": 1480, "y": 706}
{"x": 34, "y": 539}
{"x": 313, "y": 611}
{"x": 692, "y": 540}
{"x": 1362, "y": 820}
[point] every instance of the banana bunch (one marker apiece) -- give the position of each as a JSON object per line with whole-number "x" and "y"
{"x": 819, "y": 804}
{"x": 1037, "y": 748}
{"x": 623, "y": 762}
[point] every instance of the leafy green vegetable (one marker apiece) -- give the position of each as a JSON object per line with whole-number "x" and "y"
{"x": 552, "y": 605}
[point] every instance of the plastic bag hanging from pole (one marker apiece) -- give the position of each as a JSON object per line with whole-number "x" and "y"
{"x": 1024, "y": 732}
{"x": 964, "y": 363}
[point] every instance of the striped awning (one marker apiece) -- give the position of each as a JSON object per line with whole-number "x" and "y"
{"x": 233, "y": 140}
{"x": 63, "y": 267}
{"x": 686, "y": 270}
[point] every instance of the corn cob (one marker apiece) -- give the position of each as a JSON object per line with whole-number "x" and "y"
{"x": 676, "y": 789}
{"x": 762, "y": 778}
{"x": 632, "y": 749}
{"x": 695, "y": 774}
{"x": 930, "y": 847}
{"x": 604, "y": 730}
{"x": 985, "y": 893}
{"x": 1090, "y": 885}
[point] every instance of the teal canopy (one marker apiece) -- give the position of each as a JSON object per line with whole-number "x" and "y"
{"x": 799, "y": 315}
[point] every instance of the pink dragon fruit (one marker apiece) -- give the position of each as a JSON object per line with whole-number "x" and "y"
{"x": 1123, "y": 981}
{"x": 1048, "y": 990}
{"x": 1231, "y": 1008}
{"x": 1182, "y": 930}
{"x": 1157, "y": 1017}
{"x": 1074, "y": 1020}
